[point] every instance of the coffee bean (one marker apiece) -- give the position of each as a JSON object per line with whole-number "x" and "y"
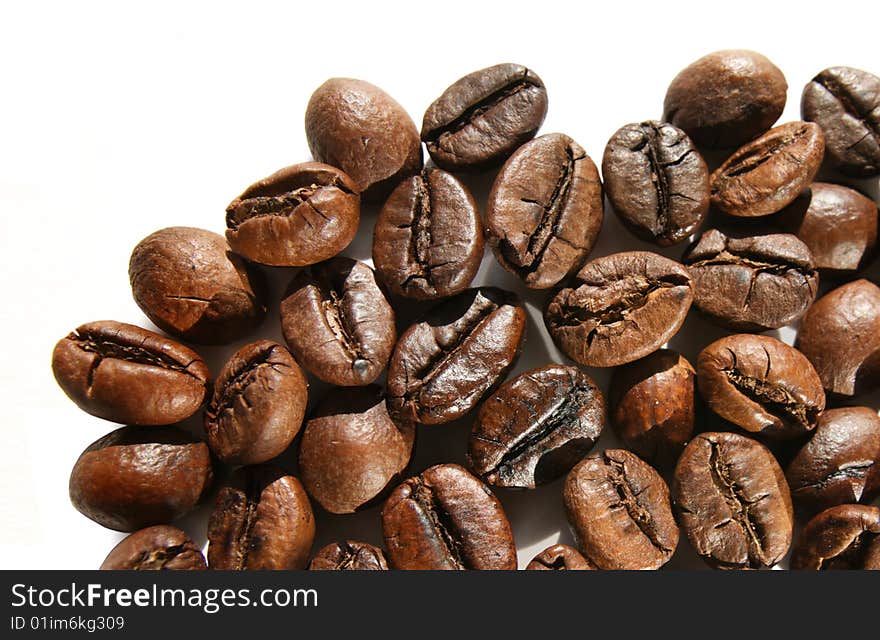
{"x": 752, "y": 284}
{"x": 733, "y": 502}
{"x": 338, "y": 323}
{"x": 126, "y": 374}
{"x": 843, "y": 537}
{"x": 446, "y": 518}
{"x": 652, "y": 406}
{"x": 726, "y": 98}
{"x": 560, "y": 557}
{"x": 620, "y": 308}
{"x": 354, "y": 125}
{"x": 619, "y": 511}
{"x": 162, "y": 547}
{"x": 428, "y": 238}
{"x": 768, "y": 173}
{"x": 349, "y": 556}
{"x": 536, "y": 427}
{"x": 845, "y": 102}
{"x": 189, "y": 284}
{"x": 840, "y": 335}
{"x": 352, "y": 452}
{"x": 657, "y": 181}
{"x": 136, "y": 477}
{"x": 444, "y": 364}
{"x": 258, "y": 404}
{"x": 761, "y": 385}
{"x": 545, "y": 210}
{"x": 481, "y": 118}
{"x": 261, "y": 520}
{"x": 299, "y": 215}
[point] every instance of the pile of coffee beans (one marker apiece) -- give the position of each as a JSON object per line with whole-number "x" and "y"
{"x": 755, "y": 450}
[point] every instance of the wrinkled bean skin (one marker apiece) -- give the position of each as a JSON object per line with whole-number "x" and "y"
{"x": 349, "y": 555}
{"x": 840, "y": 538}
{"x": 545, "y": 210}
{"x": 159, "y": 548}
{"x": 560, "y": 557}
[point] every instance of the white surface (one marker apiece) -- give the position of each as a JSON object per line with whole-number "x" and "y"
{"x": 117, "y": 121}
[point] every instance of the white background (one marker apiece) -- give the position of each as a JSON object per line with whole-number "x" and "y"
{"x": 116, "y": 121}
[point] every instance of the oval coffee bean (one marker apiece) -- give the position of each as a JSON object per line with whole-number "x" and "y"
{"x": 261, "y": 520}
{"x": 126, "y": 374}
{"x": 620, "y": 308}
{"x": 481, "y": 118}
{"x": 559, "y": 557}
{"x": 352, "y": 452}
{"x": 545, "y": 210}
{"x": 768, "y": 173}
{"x": 840, "y": 463}
{"x": 189, "y": 284}
{"x": 657, "y": 181}
{"x": 136, "y": 477}
{"x": 354, "y": 125}
{"x": 446, "y": 518}
{"x": 428, "y": 238}
{"x": 619, "y": 511}
{"x": 338, "y": 323}
{"x": 845, "y": 102}
{"x": 536, "y": 427}
{"x": 162, "y": 547}
{"x": 349, "y": 556}
{"x": 444, "y": 364}
{"x": 258, "y": 404}
{"x": 761, "y": 385}
{"x": 299, "y": 215}
{"x": 840, "y": 335}
{"x": 752, "y": 284}
{"x": 843, "y": 537}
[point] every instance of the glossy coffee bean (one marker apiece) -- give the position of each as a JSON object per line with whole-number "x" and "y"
{"x": 447, "y": 519}
{"x": 545, "y": 210}
{"x": 159, "y": 548}
{"x": 657, "y": 181}
{"x": 136, "y": 477}
{"x": 349, "y": 555}
{"x": 619, "y": 510}
{"x": 840, "y": 538}
{"x": 126, "y": 374}
{"x": 733, "y": 502}
{"x": 262, "y": 519}
{"x": 338, "y": 323}
{"x": 559, "y": 557}
{"x": 536, "y": 427}
{"x": 189, "y": 284}
{"x": 258, "y": 404}
{"x": 620, "y": 308}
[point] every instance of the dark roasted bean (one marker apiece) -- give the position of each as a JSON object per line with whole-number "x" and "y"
{"x": 560, "y": 557}
{"x": 349, "y": 555}
{"x": 842, "y": 537}
{"x": 159, "y": 548}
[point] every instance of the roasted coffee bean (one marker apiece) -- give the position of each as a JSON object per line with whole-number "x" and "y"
{"x": 443, "y": 364}
{"x": 657, "y": 181}
{"x": 262, "y": 519}
{"x": 300, "y": 215}
{"x": 481, "y": 118}
{"x": 761, "y": 385}
{"x": 768, "y": 173}
{"x": 428, "y": 238}
{"x": 620, "y": 308}
{"x": 560, "y": 557}
{"x": 619, "y": 511}
{"x": 136, "y": 477}
{"x": 752, "y": 284}
{"x": 349, "y": 556}
{"x": 126, "y": 374}
{"x": 840, "y": 463}
{"x": 842, "y": 537}
{"x": 652, "y": 406}
{"x": 338, "y": 323}
{"x": 162, "y": 547}
{"x": 845, "y": 102}
{"x": 189, "y": 284}
{"x": 352, "y": 452}
{"x": 545, "y": 210}
{"x": 354, "y": 125}
{"x": 733, "y": 502}
{"x": 258, "y": 404}
{"x": 446, "y": 518}
{"x": 536, "y": 427}
{"x": 840, "y": 335}
{"x": 726, "y": 98}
